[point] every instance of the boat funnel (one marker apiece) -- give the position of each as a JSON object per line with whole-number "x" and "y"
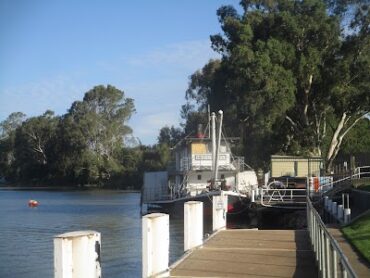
{"x": 200, "y": 133}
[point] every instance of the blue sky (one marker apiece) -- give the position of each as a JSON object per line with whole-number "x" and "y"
{"x": 52, "y": 52}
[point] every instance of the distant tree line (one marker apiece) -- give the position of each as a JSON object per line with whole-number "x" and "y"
{"x": 83, "y": 147}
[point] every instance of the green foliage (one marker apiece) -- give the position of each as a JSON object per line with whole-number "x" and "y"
{"x": 84, "y": 146}
{"x": 358, "y": 139}
{"x": 289, "y": 71}
{"x": 169, "y": 135}
{"x": 358, "y": 233}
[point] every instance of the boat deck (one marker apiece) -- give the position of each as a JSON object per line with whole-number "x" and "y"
{"x": 250, "y": 253}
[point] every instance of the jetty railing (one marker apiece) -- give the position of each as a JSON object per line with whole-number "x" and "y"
{"x": 276, "y": 197}
{"x": 330, "y": 258}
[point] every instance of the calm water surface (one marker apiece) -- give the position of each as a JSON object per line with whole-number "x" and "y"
{"x": 26, "y": 245}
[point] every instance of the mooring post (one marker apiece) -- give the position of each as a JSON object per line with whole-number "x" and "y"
{"x": 156, "y": 242}
{"x": 193, "y": 224}
{"x": 334, "y": 209}
{"x": 330, "y": 204}
{"x": 347, "y": 210}
{"x": 340, "y": 213}
{"x": 219, "y": 210}
{"x": 77, "y": 255}
{"x": 326, "y": 198}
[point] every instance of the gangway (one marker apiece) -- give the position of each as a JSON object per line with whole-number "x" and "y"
{"x": 283, "y": 193}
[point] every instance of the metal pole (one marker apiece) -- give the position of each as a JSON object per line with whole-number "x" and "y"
{"x": 328, "y": 257}
{"x": 343, "y": 200}
{"x": 335, "y": 264}
{"x": 323, "y": 253}
{"x": 347, "y": 200}
{"x": 213, "y": 126}
{"x": 218, "y": 144}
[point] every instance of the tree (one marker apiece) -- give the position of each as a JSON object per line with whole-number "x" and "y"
{"x": 7, "y": 138}
{"x": 99, "y": 125}
{"x": 8, "y": 126}
{"x": 33, "y": 141}
{"x": 169, "y": 136}
{"x": 288, "y": 70}
{"x": 358, "y": 139}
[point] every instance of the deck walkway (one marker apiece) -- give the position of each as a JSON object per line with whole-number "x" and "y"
{"x": 250, "y": 253}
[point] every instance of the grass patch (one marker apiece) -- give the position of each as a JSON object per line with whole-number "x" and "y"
{"x": 358, "y": 234}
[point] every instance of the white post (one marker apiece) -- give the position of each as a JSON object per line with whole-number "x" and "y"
{"x": 219, "y": 209}
{"x": 334, "y": 209}
{"x": 77, "y": 255}
{"x": 193, "y": 224}
{"x": 326, "y": 198}
{"x": 347, "y": 215}
{"x": 340, "y": 212}
{"x": 330, "y": 204}
{"x": 253, "y": 196}
{"x": 155, "y": 232}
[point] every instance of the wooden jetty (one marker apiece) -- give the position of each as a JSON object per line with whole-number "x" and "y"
{"x": 250, "y": 253}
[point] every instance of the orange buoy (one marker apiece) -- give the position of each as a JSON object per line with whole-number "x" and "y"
{"x": 33, "y": 203}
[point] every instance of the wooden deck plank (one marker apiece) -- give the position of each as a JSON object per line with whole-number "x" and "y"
{"x": 251, "y": 253}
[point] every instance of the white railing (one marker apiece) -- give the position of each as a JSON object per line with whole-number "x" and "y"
{"x": 361, "y": 172}
{"x": 278, "y": 197}
{"x": 327, "y": 183}
{"x": 330, "y": 258}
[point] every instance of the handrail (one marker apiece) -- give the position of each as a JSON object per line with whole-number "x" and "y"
{"x": 356, "y": 175}
{"x": 328, "y": 253}
{"x": 273, "y": 197}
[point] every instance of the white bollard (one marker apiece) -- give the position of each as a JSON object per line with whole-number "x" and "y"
{"x": 326, "y": 198}
{"x": 193, "y": 224}
{"x": 219, "y": 210}
{"x": 330, "y": 204}
{"x": 253, "y": 196}
{"x": 340, "y": 213}
{"x": 155, "y": 230}
{"x": 77, "y": 255}
{"x": 334, "y": 209}
{"x": 347, "y": 215}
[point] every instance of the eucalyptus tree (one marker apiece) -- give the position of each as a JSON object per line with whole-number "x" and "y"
{"x": 292, "y": 76}
{"x": 99, "y": 125}
{"x": 32, "y": 146}
{"x": 7, "y": 138}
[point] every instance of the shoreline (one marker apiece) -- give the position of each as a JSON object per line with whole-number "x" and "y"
{"x": 62, "y": 188}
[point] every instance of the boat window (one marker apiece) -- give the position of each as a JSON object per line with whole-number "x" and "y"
{"x": 199, "y": 177}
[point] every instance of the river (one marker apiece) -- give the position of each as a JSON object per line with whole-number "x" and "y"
{"x": 26, "y": 245}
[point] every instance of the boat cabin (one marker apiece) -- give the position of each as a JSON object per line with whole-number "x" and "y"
{"x": 193, "y": 171}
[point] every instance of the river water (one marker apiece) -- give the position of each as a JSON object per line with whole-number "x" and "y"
{"x": 26, "y": 244}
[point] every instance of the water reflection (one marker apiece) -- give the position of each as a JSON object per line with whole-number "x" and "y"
{"x": 26, "y": 248}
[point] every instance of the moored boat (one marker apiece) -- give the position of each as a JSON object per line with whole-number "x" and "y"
{"x": 203, "y": 167}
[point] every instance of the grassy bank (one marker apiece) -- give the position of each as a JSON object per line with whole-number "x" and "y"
{"x": 358, "y": 233}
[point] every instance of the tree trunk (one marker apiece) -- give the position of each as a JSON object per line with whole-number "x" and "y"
{"x": 340, "y": 132}
{"x": 334, "y": 143}
{"x": 306, "y": 100}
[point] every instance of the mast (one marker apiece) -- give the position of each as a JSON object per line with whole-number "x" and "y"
{"x": 209, "y": 120}
{"x": 213, "y": 136}
{"x": 220, "y": 112}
